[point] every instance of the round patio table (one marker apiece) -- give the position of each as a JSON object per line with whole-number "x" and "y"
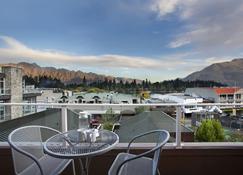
{"x": 76, "y": 144}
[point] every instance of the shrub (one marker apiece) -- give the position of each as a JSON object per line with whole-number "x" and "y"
{"x": 140, "y": 109}
{"x": 95, "y": 90}
{"x": 108, "y": 116}
{"x": 210, "y": 131}
{"x": 108, "y": 119}
{"x": 234, "y": 137}
{"x": 108, "y": 126}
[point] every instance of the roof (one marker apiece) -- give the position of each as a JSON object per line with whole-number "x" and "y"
{"x": 50, "y": 117}
{"x": 226, "y": 90}
{"x": 144, "y": 122}
{"x": 104, "y": 96}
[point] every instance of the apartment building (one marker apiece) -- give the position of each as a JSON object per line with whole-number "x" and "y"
{"x": 13, "y": 90}
{"x": 217, "y": 95}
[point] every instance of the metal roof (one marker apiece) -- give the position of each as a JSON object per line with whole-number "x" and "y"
{"x": 146, "y": 121}
{"x": 226, "y": 90}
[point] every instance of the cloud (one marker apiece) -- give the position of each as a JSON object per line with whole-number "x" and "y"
{"x": 211, "y": 25}
{"x": 164, "y": 7}
{"x": 16, "y": 49}
{"x": 165, "y": 66}
{"x": 179, "y": 42}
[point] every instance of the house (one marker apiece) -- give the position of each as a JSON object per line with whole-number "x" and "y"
{"x": 105, "y": 97}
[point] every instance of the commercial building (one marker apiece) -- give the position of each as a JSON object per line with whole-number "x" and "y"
{"x": 217, "y": 95}
{"x": 178, "y": 98}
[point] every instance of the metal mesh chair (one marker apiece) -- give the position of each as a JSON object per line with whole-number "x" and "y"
{"x": 130, "y": 164}
{"x": 27, "y": 152}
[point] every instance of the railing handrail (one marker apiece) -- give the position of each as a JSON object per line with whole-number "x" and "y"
{"x": 109, "y": 104}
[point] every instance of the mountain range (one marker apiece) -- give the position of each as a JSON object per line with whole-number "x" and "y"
{"x": 230, "y": 73}
{"x": 66, "y": 76}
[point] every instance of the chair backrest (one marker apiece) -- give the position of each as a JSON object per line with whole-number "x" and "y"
{"x": 162, "y": 139}
{"x": 27, "y": 146}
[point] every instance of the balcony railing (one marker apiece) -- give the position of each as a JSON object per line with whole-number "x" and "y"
{"x": 30, "y": 91}
{"x": 120, "y": 107}
{"x": 177, "y": 158}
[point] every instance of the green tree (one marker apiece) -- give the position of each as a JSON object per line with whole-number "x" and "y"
{"x": 210, "y": 131}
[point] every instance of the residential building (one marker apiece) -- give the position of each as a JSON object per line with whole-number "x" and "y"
{"x": 13, "y": 90}
{"x": 48, "y": 96}
{"x": 113, "y": 98}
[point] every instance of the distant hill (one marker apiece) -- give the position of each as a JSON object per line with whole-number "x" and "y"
{"x": 66, "y": 76}
{"x": 230, "y": 73}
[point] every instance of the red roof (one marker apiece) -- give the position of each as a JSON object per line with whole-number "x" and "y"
{"x": 226, "y": 90}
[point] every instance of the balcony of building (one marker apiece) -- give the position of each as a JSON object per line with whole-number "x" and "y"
{"x": 179, "y": 156}
{"x": 4, "y": 94}
{"x": 31, "y": 91}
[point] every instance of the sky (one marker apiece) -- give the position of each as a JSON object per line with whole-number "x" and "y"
{"x": 153, "y": 39}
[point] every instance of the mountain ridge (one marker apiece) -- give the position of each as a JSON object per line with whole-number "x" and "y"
{"x": 229, "y": 72}
{"x": 65, "y": 75}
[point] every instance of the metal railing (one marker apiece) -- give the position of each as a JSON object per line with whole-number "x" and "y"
{"x": 30, "y": 91}
{"x": 179, "y": 112}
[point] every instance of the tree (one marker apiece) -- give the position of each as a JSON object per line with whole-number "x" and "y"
{"x": 210, "y": 131}
{"x": 84, "y": 81}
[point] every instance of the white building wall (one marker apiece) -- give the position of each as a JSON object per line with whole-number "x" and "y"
{"x": 207, "y": 93}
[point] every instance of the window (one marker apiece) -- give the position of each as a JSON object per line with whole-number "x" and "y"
{"x": 2, "y": 84}
{"x": 231, "y": 97}
{"x": 2, "y": 113}
{"x": 223, "y": 97}
{"x": 238, "y": 96}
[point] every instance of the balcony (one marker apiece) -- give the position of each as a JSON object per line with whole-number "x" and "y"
{"x": 31, "y": 92}
{"x": 5, "y": 94}
{"x": 178, "y": 157}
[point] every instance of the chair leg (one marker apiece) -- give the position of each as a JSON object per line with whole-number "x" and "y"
{"x": 74, "y": 170}
{"x": 158, "y": 173}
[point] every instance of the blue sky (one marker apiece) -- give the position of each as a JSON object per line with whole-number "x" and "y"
{"x": 154, "y": 39}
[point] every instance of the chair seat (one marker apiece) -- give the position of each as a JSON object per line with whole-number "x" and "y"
{"x": 140, "y": 166}
{"x": 50, "y": 166}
